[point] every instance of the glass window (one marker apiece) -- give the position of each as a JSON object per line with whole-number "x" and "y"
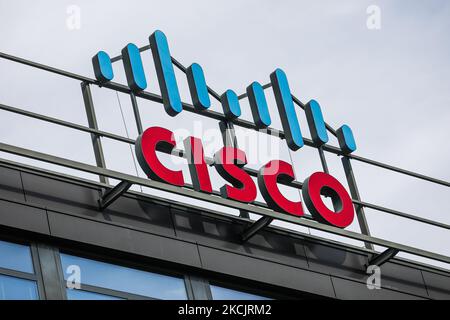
{"x": 74, "y": 294}
{"x": 16, "y": 257}
{"x": 12, "y": 288}
{"x": 125, "y": 279}
{"x": 220, "y": 293}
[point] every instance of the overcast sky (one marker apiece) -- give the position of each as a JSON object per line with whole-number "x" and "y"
{"x": 390, "y": 84}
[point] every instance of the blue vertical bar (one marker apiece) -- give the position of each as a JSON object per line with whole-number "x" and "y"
{"x": 197, "y": 87}
{"x": 134, "y": 69}
{"x": 166, "y": 74}
{"x": 346, "y": 139}
{"x": 286, "y": 109}
{"x": 102, "y": 67}
{"x": 230, "y": 104}
{"x": 316, "y": 123}
{"x": 258, "y": 105}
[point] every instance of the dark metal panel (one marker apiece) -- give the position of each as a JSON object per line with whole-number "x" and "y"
{"x": 123, "y": 239}
{"x": 138, "y": 213}
{"x": 347, "y": 264}
{"x": 360, "y": 215}
{"x": 226, "y": 235}
{"x": 438, "y": 286}
{"x": 352, "y": 290}
{"x": 399, "y": 277}
{"x": 72, "y": 198}
{"x": 167, "y": 249}
{"x": 335, "y": 261}
{"x": 264, "y": 271}
{"x": 11, "y": 184}
{"x": 195, "y": 226}
{"x": 23, "y": 217}
{"x": 60, "y": 195}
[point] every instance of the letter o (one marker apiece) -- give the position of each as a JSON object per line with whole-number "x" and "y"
{"x": 320, "y": 183}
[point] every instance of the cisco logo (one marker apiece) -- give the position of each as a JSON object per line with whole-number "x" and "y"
{"x": 200, "y": 94}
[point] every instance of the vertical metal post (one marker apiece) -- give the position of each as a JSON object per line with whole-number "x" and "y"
{"x": 51, "y": 273}
{"x": 355, "y": 195}
{"x": 137, "y": 115}
{"x": 228, "y": 134}
{"x": 323, "y": 160}
{"x": 38, "y": 271}
{"x": 230, "y": 140}
{"x": 92, "y": 121}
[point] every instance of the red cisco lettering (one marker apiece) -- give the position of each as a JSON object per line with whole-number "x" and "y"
{"x": 229, "y": 163}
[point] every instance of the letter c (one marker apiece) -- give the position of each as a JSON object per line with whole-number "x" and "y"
{"x": 157, "y": 139}
{"x": 268, "y": 177}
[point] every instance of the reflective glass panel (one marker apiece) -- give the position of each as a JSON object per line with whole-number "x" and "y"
{"x": 220, "y": 293}
{"x": 105, "y": 275}
{"x": 12, "y": 288}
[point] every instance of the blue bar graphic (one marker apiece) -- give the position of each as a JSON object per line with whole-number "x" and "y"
{"x": 230, "y": 104}
{"x": 316, "y": 123}
{"x": 102, "y": 67}
{"x": 134, "y": 69}
{"x": 166, "y": 74}
{"x": 197, "y": 87}
{"x": 346, "y": 140}
{"x": 286, "y": 109}
{"x": 258, "y": 105}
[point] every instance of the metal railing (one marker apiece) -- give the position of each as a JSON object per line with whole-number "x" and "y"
{"x": 187, "y": 191}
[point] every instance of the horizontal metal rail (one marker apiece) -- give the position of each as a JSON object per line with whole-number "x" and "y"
{"x": 218, "y": 200}
{"x": 218, "y": 116}
{"x": 210, "y": 161}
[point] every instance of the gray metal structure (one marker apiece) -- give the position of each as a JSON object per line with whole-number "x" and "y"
{"x": 55, "y": 211}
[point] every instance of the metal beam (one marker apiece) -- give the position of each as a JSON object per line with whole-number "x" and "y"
{"x": 92, "y": 121}
{"x": 230, "y": 140}
{"x": 383, "y": 257}
{"x": 113, "y": 194}
{"x": 360, "y": 215}
{"x": 402, "y": 214}
{"x": 65, "y": 123}
{"x": 323, "y": 160}
{"x": 137, "y": 115}
{"x": 255, "y": 227}
{"x": 228, "y": 134}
